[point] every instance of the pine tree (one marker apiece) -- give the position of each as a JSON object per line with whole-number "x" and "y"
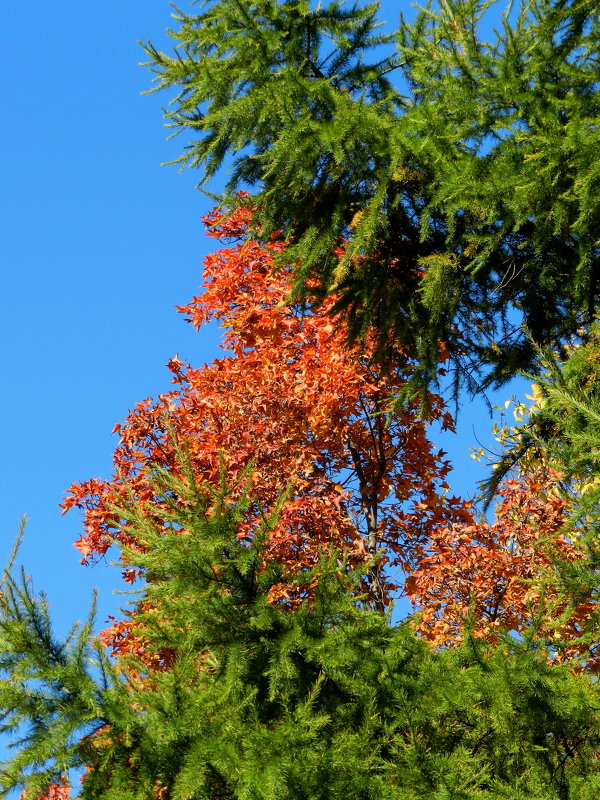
{"x": 328, "y": 701}
{"x": 442, "y": 179}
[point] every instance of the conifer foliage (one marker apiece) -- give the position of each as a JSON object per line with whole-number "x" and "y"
{"x": 455, "y": 159}
{"x": 329, "y": 700}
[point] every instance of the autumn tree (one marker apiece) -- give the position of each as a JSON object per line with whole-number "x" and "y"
{"x": 541, "y": 551}
{"x": 455, "y": 157}
{"x": 310, "y": 417}
{"x": 307, "y": 415}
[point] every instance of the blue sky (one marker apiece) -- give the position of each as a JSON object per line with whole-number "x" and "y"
{"x": 99, "y": 244}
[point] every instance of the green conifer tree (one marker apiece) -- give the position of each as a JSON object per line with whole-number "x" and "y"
{"x": 329, "y": 700}
{"x": 456, "y": 164}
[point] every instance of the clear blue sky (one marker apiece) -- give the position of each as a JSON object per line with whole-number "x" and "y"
{"x": 99, "y": 243}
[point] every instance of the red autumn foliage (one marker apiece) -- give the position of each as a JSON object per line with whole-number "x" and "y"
{"x": 55, "y": 791}
{"x": 498, "y": 574}
{"x": 305, "y": 410}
